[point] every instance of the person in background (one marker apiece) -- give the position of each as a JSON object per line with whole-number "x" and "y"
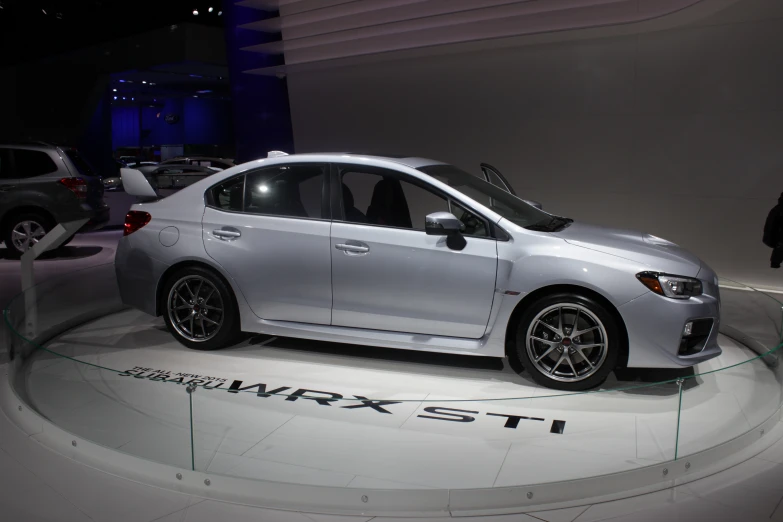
{"x": 773, "y": 233}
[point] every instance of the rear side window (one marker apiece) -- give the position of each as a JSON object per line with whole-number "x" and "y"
{"x": 285, "y": 190}
{"x": 31, "y": 163}
{"x": 81, "y": 164}
{"x": 229, "y": 194}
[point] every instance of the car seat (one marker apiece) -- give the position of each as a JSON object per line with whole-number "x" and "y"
{"x": 388, "y": 205}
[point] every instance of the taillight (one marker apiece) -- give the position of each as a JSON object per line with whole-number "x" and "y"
{"x": 134, "y": 220}
{"x": 76, "y": 185}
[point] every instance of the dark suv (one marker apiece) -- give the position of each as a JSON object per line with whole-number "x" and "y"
{"x": 42, "y": 185}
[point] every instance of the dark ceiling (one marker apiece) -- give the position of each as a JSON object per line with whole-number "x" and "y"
{"x": 33, "y": 29}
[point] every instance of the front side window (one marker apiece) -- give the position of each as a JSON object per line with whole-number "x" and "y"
{"x": 377, "y": 196}
{"x": 284, "y": 190}
{"x": 31, "y": 163}
{"x": 496, "y": 199}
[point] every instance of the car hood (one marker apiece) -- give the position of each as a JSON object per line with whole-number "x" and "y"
{"x": 656, "y": 253}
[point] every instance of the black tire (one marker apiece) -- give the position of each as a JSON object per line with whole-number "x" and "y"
{"x": 227, "y": 334}
{"x": 40, "y": 219}
{"x": 591, "y": 369}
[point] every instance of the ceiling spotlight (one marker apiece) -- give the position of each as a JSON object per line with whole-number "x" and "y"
{"x": 43, "y": 11}
{"x": 115, "y": 90}
{"x": 115, "y": 96}
{"x": 122, "y": 81}
{"x": 123, "y": 97}
{"x": 195, "y": 12}
{"x": 144, "y": 81}
{"x": 220, "y": 13}
{"x": 210, "y": 9}
{"x": 132, "y": 99}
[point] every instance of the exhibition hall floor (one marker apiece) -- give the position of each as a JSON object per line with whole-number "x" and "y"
{"x": 447, "y": 421}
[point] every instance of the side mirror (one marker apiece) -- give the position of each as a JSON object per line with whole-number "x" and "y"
{"x": 442, "y": 224}
{"x": 536, "y": 204}
{"x": 446, "y": 224}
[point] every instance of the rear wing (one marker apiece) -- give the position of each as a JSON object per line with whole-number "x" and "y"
{"x": 136, "y": 184}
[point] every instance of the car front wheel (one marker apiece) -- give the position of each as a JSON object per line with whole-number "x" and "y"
{"x": 199, "y": 309}
{"x": 568, "y": 342}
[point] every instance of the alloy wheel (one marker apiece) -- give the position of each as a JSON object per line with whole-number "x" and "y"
{"x": 26, "y": 234}
{"x": 195, "y": 308}
{"x": 567, "y": 342}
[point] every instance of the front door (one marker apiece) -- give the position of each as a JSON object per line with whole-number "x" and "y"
{"x": 388, "y": 274}
{"x": 269, "y": 230}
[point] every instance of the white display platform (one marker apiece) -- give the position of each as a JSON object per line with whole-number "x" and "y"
{"x": 353, "y": 444}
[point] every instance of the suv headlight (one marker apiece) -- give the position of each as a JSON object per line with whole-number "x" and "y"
{"x": 675, "y": 287}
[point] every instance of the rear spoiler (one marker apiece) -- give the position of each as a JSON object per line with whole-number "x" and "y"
{"x": 136, "y": 184}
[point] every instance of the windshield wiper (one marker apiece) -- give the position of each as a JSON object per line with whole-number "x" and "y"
{"x": 553, "y": 224}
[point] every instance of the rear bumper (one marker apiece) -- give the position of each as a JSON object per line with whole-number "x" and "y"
{"x": 98, "y": 219}
{"x": 137, "y": 276}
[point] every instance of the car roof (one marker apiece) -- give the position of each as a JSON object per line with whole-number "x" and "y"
{"x": 31, "y": 145}
{"x": 413, "y": 162}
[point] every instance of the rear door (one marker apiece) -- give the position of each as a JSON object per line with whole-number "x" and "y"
{"x": 269, "y": 229}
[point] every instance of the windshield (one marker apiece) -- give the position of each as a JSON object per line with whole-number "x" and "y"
{"x": 496, "y": 199}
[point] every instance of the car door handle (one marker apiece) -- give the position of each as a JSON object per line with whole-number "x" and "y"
{"x": 353, "y": 248}
{"x": 226, "y": 233}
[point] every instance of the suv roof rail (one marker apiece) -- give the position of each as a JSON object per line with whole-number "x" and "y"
{"x": 30, "y": 142}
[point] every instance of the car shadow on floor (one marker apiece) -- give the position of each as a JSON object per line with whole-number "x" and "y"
{"x": 64, "y": 253}
{"x": 636, "y": 381}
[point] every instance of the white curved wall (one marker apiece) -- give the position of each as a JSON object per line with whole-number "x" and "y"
{"x": 677, "y": 132}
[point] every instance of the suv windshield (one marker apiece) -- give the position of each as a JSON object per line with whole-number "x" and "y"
{"x": 492, "y": 197}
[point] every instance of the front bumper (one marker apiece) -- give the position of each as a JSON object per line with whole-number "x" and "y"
{"x": 655, "y": 328}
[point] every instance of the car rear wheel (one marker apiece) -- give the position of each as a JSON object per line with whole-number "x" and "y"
{"x": 23, "y": 231}
{"x": 568, "y": 342}
{"x": 199, "y": 309}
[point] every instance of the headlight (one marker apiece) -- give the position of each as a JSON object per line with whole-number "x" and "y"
{"x": 676, "y": 287}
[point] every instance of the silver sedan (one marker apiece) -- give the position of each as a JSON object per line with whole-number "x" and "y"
{"x": 414, "y": 254}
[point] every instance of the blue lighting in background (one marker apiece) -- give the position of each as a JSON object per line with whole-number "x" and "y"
{"x": 195, "y": 76}
{"x": 122, "y": 81}
{"x": 205, "y": 91}
{"x": 115, "y": 97}
{"x": 123, "y": 97}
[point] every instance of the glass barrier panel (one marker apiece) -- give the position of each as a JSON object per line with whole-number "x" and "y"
{"x": 315, "y": 413}
{"x": 736, "y": 392}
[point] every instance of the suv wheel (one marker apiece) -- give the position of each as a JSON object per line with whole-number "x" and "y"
{"x": 567, "y": 342}
{"x": 25, "y": 230}
{"x": 199, "y": 309}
